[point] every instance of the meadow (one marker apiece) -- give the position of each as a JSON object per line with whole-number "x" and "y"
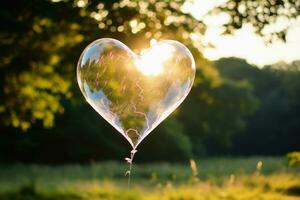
{"x": 214, "y": 178}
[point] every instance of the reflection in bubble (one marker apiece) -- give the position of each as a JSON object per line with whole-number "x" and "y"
{"x": 135, "y": 93}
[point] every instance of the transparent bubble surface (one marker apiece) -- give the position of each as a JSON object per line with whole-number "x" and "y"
{"x": 135, "y": 93}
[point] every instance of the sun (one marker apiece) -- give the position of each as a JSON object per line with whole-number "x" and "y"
{"x": 152, "y": 61}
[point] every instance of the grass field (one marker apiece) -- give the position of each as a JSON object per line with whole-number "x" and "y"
{"x": 218, "y": 178}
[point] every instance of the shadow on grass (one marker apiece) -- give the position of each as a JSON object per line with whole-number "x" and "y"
{"x": 293, "y": 190}
{"x": 28, "y": 192}
{"x": 18, "y": 196}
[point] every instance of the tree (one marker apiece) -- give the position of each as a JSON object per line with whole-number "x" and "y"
{"x": 40, "y": 47}
{"x": 50, "y": 37}
{"x": 213, "y": 116}
{"x": 261, "y": 15}
{"x": 37, "y": 46}
{"x": 43, "y": 39}
{"x": 276, "y": 121}
{"x": 41, "y": 42}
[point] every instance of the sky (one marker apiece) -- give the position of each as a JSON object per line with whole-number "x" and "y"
{"x": 244, "y": 43}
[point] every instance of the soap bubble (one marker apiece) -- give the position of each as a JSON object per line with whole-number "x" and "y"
{"x": 135, "y": 93}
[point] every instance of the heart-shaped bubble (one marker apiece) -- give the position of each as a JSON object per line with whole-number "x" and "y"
{"x": 135, "y": 93}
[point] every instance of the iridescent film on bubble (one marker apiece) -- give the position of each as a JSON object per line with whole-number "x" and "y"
{"x": 135, "y": 93}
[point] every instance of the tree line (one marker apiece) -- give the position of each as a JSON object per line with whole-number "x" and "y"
{"x": 234, "y": 108}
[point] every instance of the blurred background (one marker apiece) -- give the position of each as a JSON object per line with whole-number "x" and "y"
{"x": 245, "y": 100}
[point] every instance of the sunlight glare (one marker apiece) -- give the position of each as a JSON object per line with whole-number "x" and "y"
{"x": 151, "y": 61}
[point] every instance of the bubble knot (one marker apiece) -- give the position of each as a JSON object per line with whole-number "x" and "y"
{"x": 127, "y": 173}
{"x": 129, "y": 160}
{"x": 133, "y": 151}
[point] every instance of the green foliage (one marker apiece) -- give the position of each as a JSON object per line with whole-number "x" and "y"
{"x": 261, "y": 15}
{"x": 42, "y": 47}
{"x": 35, "y": 45}
{"x": 213, "y": 116}
{"x": 276, "y": 122}
{"x": 172, "y": 138}
{"x": 208, "y": 169}
{"x": 222, "y": 178}
{"x": 294, "y": 159}
{"x": 40, "y": 43}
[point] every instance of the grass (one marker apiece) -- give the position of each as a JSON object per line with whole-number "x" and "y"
{"x": 261, "y": 178}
